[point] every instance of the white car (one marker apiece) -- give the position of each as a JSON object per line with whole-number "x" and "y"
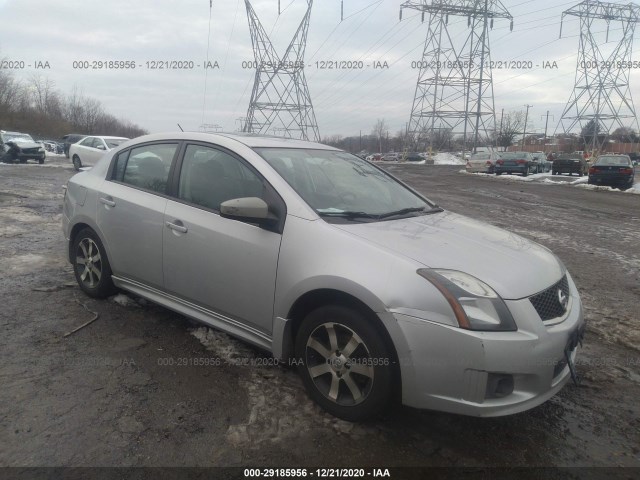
{"x": 88, "y": 151}
{"x": 482, "y": 162}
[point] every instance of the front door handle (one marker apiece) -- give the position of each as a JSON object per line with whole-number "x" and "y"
{"x": 177, "y": 227}
{"x": 108, "y": 201}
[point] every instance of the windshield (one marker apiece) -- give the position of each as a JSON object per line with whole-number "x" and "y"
{"x": 614, "y": 161}
{"x": 340, "y": 185}
{"x": 21, "y": 138}
{"x": 114, "y": 142}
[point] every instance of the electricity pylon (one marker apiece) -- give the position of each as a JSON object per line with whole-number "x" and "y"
{"x": 280, "y": 101}
{"x": 601, "y": 98}
{"x": 454, "y": 91}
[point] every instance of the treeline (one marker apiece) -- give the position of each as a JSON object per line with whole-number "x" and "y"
{"x": 37, "y": 107}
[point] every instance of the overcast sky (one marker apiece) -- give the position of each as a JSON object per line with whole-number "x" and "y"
{"x": 345, "y": 102}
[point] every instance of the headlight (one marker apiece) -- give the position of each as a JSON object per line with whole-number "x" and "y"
{"x": 475, "y": 304}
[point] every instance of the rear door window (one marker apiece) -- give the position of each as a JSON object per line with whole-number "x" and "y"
{"x": 146, "y": 167}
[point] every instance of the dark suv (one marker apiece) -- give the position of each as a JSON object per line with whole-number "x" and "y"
{"x": 70, "y": 139}
{"x": 16, "y": 147}
{"x": 570, "y": 163}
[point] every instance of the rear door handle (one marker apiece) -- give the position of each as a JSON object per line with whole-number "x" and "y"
{"x": 176, "y": 227}
{"x": 108, "y": 201}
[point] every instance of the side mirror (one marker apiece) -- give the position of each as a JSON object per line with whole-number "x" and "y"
{"x": 101, "y": 147}
{"x": 248, "y": 209}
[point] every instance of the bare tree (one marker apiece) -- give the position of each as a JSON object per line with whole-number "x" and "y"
{"x": 379, "y": 131}
{"x": 512, "y": 125}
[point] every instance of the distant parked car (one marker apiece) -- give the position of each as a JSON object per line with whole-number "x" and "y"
{"x": 570, "y": 163}
{"x": 374, "y": 157}
{"x": 483, "y": 162}
{"x": 412, "y": 157}
{"x": 543, "y": 164}
{"x": 89, "y": 150}
{"x": 516, "y": 162}
{"x": 612, "y": 170}
{"x": 635, "y": 157}
{"x": 70, "y": 139}
{"x": 16, "y": 147}
{"x": 390, "y": 157}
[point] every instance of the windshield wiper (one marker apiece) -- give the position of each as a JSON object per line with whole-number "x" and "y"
{"x": 347, "y": 214}
{"x": 405, "y": 211}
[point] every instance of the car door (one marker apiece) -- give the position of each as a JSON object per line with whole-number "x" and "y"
{"x": 131, "y": 205}
{"x": 84, "y": 149}
{"x": 224, "y": 265}
{"x": 98, "y": 149}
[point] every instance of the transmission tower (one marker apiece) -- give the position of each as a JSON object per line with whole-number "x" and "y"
{"x": 601, "y": 98}
{"x": 280, "y": 101}
{"x": 454, "y": 92}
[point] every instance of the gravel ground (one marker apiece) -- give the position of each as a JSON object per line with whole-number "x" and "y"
{"x": 143, "y": 386}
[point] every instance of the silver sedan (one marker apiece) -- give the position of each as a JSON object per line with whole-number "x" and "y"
{"x": 331, "y": 264}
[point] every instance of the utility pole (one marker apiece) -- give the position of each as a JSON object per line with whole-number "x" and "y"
{"x": 601, "y": 96}
{"x": 500, "y": 134}
{"x": 454, "y": 90}
{"x": 524, "y": 133}
{"x": 546, "y": 124}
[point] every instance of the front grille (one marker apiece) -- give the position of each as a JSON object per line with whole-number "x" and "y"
{"x": 547, "y": 303}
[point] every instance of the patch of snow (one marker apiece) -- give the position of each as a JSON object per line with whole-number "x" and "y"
{"x": 447, "y": 159}
{"x": 124, "y": 300}
{"x": 279, "y": 408}
{"x": 23, "y": 263}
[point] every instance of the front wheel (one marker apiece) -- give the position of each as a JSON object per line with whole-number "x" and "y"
{"x": 526, "y": 172}
{"x": 77, "y": 163}
{"x": 41, "y": 161}
{"x": 346, "y": 366}
{"x": 91, "y": 266}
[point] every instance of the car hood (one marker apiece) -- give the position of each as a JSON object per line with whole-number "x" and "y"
{"x": 512, "y": 265}
{"x": 25, "y": 145}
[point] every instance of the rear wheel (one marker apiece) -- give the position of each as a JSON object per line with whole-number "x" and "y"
{"x": 91, "y": 266}
{"x": 77, "y": 163}
{"x": 346, "y": 365}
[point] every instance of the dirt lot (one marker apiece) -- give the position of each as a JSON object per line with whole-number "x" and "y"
{"x": 143, "y": 386}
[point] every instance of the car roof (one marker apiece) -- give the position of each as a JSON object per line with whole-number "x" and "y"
{"x": 251, "y": 140}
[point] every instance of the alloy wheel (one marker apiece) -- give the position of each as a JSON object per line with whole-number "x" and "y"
{"x": 339, "y": 364}
{"x": 89, "y": 262}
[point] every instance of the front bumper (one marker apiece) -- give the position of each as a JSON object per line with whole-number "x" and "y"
{"x": 24, "y": 156}
{"x": 454, "y": 370}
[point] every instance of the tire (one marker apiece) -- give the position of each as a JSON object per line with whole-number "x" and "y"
{"x": 498, "y": 173}
{"x": 526, "y": 172}
{"x": 41, "y": 161}
{"x": 554, "y": 172}
{"x": 92, "y": 274}
{"x": 579, "y": 173}
{"x": 321, "y": 342}
{"x": 77, "y": 163}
